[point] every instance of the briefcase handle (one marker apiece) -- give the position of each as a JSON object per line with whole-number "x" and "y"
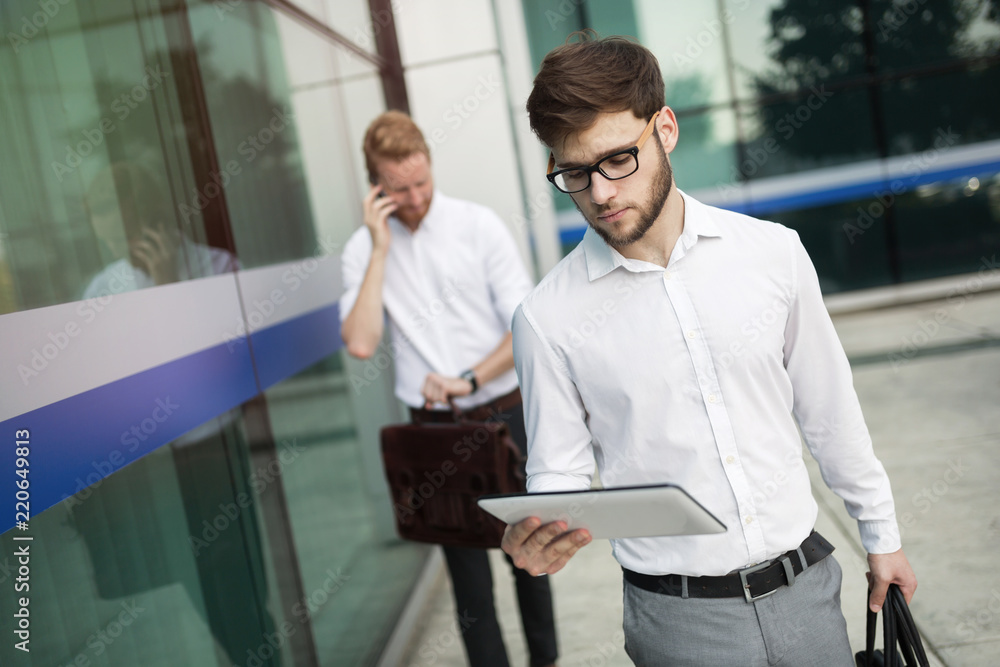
{"x": 897, "y": 627}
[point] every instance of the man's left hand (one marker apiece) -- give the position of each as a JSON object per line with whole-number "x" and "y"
{"x": 439, "y": 388}
{"x": 885, "y": 569}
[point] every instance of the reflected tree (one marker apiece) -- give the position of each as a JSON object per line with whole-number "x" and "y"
{"x": 833, "y": 65}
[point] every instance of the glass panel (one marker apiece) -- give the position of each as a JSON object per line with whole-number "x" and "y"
{"x": 549, "y": 23}
{"x": 705, "y": 154}
{"x": 689, "y": 45}
{"x": 949, "y": 227}
{"x": 961, "y": 105}
{"x": 808, "y": 132}
{"x": 354, "y": 578}
{"x": 255, "y": 132}
{"x": 95, "y": 156}
{"x": 787, "y": 45}
{"x": 846, "y": 241}
{"x": 911, "y": 34}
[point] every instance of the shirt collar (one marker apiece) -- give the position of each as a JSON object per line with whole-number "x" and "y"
{"x": 602, "y": 259}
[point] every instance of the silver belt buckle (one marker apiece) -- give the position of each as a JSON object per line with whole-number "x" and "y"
{"x": 789, "y": 576}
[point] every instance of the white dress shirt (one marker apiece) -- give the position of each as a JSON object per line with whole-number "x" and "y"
{"x": 450, "y": 291}
{"x": 696, "y": 375}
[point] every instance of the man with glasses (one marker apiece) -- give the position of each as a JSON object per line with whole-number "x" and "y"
{"x": 681, "y": 343}
{"x": 446, "y": 276}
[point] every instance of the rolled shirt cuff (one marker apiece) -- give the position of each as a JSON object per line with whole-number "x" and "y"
{"x": 880, "y": 537}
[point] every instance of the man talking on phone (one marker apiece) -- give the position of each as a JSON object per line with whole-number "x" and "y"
{"x": 710, "y": 348}
{"x": 446, "y": 276}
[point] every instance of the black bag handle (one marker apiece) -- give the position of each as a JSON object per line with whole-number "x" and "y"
{"x": 897, "y": 628}
{"x": 908, "y": 630}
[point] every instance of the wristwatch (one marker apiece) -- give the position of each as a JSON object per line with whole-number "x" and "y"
{"x": 470, "y": 377}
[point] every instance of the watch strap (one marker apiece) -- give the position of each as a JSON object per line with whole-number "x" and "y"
{"x": 470, "y": 377}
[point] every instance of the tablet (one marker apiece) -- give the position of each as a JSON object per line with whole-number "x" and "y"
{"x": 629, "y": 511}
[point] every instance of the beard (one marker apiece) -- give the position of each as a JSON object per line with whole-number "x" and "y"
{"x": 648, "y": 211}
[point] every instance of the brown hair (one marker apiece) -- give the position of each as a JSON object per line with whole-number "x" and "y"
{"x": 392, "y": 136}
{"x": 583, "y": 78}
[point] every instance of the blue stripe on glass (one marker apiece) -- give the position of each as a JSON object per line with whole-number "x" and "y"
{"x": 291, "y": 346}
{"x": 78, "y": 441}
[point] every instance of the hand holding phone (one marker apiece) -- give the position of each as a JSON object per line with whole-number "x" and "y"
{"x": 377, "y": 208}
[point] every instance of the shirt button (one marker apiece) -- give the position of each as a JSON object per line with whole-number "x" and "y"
{"x": 666, "y": 275}
{"x": 730, "y": 459}
{"x": 711, "y": 398}
{"x": 691, "y": 335}
{"x": 749, "y": 520}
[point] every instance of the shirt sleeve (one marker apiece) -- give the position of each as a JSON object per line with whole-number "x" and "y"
{"x": 829, "y": 413}
{"x": 506, "y": 274}
{"x": 354, "y": 262}
{"x": 560, "y": 447}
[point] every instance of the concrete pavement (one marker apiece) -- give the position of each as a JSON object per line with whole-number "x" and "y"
{"x": 928, "y": 377}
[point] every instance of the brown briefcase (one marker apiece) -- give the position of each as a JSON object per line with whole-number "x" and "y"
{"x": 437, "y": 471}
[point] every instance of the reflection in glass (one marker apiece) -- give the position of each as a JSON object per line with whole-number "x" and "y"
{"x": 688, "y": 44}
{"x": 783, "y": 46}
{"x": 943, "y": 111}
{"x": 949, "y": 227}
{"x": 817, "y": 129}
{"x": 932, "y": 32}
{"x": 134, "y": 221}
{"x": 705, "y": 155}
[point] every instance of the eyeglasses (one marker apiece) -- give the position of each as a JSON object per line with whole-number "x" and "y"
{"x": 613, "y": 167}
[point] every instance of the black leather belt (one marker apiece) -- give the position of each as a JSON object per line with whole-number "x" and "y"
{"x": 753, "y": 583}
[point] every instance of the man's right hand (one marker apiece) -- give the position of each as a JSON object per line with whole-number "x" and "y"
{"x": 377, "y": 211}
{"x": 540, "y": 549}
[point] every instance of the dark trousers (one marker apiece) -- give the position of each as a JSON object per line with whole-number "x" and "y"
{"x": 472, "y": 581}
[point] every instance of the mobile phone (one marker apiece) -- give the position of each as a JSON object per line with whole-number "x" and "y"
{"x": 374, "y": 181}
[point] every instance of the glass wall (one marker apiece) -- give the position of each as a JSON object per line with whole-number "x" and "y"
{"x": 866, "y": 126}
{"x": 176, "y": 183}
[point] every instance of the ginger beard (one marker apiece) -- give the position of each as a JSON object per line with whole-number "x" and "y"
{"x": 617, "y": 235}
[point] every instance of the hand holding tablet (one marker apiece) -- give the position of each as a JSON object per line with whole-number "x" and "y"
{"x": 547, "y": 529}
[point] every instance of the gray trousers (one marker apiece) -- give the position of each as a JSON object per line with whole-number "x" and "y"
{"x": 800, "y": 625}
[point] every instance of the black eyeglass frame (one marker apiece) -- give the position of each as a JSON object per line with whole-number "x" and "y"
{"x": 633, "y": 151}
